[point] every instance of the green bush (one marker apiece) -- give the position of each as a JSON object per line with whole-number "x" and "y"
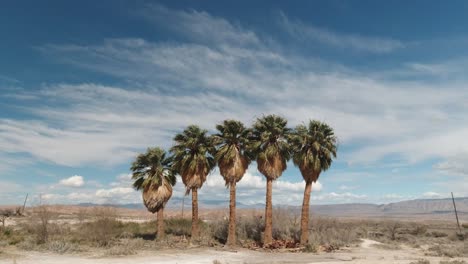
{"x": 179, "y": 226}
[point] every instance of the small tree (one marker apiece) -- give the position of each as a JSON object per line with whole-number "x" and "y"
{"x": 269, "y": 146}
{"x": 193, "y": 161}
{"x": 232, "y": 158}
{"x": 313, "y": 148}
{"x": 152, "y": 173}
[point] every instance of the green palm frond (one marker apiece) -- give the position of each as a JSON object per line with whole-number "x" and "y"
{"x": 152, "y": 167}
{"x": 231, "y": 149}
{"x": 268, "y": 140}
{"x": 192, "y": 153}
{"x": 232, "y": 136}
{"x": 314, "y": 147}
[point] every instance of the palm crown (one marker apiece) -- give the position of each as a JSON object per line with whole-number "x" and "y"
{"x": 231, "y": 153}
{"x": 314, "y": 147}
{"x": 152, "y": 168}
{"x": 269, "y": 145}
{"x": 192, "y": 154}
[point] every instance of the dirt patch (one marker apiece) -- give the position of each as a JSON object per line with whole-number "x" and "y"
{"x": 365, "y": 254}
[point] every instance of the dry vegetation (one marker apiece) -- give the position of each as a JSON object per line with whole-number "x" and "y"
{"x": 98, "y": 229}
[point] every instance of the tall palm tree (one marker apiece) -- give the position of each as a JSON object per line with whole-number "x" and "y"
{"x": 270, "y": 148}
{"x": 232, "y": 158}
{"x": 193, "y": 160}
{"x": 313, "y": 148}
{"x": 152, "y": 173}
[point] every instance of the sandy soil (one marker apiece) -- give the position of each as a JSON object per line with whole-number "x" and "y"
{"x": 365, "y": 254}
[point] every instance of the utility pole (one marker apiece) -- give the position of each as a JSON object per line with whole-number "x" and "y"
{"x": 456, "y": 214}
{"x": 24, "y": 205}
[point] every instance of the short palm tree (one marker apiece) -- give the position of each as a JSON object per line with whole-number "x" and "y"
{"x": 270, "y": 148}
{"x": 152, "y": 173}
{"x": 193, "y": 161}
{"x": 233, "y": 160}
{"x": 313, "y": 148}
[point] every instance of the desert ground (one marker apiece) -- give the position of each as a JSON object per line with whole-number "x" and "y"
{"x": 109, "y": 235}
{"x": 367, "y": 252}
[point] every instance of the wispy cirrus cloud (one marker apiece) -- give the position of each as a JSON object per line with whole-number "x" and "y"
{"x": 199, "y": 26}
{"x": 222, "y": 78}
{"x": 310, "y": 33}
{"x": 163, "y": 86}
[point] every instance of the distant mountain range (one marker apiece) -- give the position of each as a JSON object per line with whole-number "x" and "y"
{"x": 433, "y": 208}
{"x": 420, "y": 208}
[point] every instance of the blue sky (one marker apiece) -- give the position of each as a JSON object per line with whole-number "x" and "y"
{"x": 85, "y": 86}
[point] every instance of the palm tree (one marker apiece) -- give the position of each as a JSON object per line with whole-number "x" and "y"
{"x": 152, "y": 173}
{"x": 193, "y": 160}
{"x": 270, "y": 148}
{"x": 233, "y": 160}
{"x": 313, "y": 149}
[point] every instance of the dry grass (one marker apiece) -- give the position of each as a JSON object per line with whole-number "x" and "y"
{"x": 421, "y": 261}
{"x": 101, "y": 229}
{"x": 452, "y": 262}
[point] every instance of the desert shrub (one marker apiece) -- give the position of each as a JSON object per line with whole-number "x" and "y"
{"x": 179, "y": 226}
{"x": 4, "y": 214}
{"x": 61, "y": 246}
{"x": 392, "y": 229}
{"x": 438, "y": 234}
{"x": 28, "y": 244}
{"x": 38, "y": 227}
{"x": 452, "y": 262}
{"x": 250, "y": 229}
{"x": 120, "y": 251}
{"x": 417, "y": 230}
{"x": 41, "y": 223}
{"x": 82, "y": 214}
{"x": 9, "y": 236}
{"x": 421, "y": 261}
{"x": 219, "y": 230}
{"x": 286, "y": 224}
{"x": 311, "y": 248}
{"x": 446, "y": 250}
{"x": 333, "y": 233}
{"x": 101, "y": 232}
{"x": 126, "y": 247}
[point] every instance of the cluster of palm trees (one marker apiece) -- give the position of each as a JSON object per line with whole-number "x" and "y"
{"x": 312, "y": 148}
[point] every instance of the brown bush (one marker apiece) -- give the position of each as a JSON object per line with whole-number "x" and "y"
{"x": 421, "y": 261}
{"x": 103, "y": 230}
{"x": 333, "y": 233}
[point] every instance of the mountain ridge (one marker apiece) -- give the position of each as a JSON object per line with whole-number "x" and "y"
{"x": 416, "y": 207}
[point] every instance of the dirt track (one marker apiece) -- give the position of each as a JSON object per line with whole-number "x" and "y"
{"x": 365, "y": 254}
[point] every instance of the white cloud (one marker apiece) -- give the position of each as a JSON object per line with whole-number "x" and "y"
{"x": 8, "y": 79}
{"x": 236, "y": 74}
{"x": 455, "y": 165}
{"x": 347, "y": 188}
{"x": 113, "y": 192}
{"x": 432, "y": 195}
{"x": 340, "y": 197}
{"x": 73, "y": 181}
{"x": 199, "y": 26}
{"x": 357, "y": 42}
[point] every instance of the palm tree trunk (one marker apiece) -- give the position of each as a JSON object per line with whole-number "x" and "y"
{"x": 161, "y": 233}
{"x": 268, "y": 236}
{"x": 305, "y": 214}
{"x": 195, "y": 227}
{"x": 231, "y": 241}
